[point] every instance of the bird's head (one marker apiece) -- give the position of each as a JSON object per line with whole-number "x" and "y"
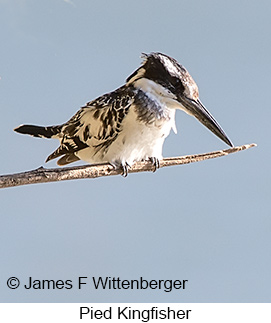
{"x": 162, "y": 76}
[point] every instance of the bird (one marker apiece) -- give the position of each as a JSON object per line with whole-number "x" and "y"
{"x": 131, "y": 123}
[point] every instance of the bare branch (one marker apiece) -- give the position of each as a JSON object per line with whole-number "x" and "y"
{"x": 45, "y": 175}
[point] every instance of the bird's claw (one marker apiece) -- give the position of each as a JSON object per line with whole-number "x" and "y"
{"x": 125, "y": 167}
{"x": 156, "y": 163}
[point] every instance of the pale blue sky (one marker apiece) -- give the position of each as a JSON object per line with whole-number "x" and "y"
{"x": 209, "y": 222}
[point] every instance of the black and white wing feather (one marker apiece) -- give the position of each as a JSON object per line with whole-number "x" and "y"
{"x": 94, "y": 127}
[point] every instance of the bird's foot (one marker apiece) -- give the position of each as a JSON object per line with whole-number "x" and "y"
{"x": 123, "y": 166}
{"x": 156, "y": 163}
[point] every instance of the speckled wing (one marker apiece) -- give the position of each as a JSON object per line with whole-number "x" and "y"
{"x": 95, "y": 126}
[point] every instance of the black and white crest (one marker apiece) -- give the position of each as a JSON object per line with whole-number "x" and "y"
{"x": 132, "y": 122}
{"x": 167, "y": 72}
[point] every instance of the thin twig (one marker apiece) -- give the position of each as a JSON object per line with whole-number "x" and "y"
{"x": 45, "y": 175}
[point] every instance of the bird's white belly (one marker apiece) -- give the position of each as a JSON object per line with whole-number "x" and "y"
{"x": 137, "y": 141}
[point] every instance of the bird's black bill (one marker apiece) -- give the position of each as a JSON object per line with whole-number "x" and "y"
{"x": 197, "y": 109}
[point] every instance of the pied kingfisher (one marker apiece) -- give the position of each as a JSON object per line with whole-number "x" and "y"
{"x": 131, "y": 123}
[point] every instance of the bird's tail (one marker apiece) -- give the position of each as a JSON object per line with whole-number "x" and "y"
{"x": 38, "y": 131}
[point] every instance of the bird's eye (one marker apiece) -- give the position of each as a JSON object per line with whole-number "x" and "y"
{"x": 179, "y": 85}
{"x": 177, "y": 82}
